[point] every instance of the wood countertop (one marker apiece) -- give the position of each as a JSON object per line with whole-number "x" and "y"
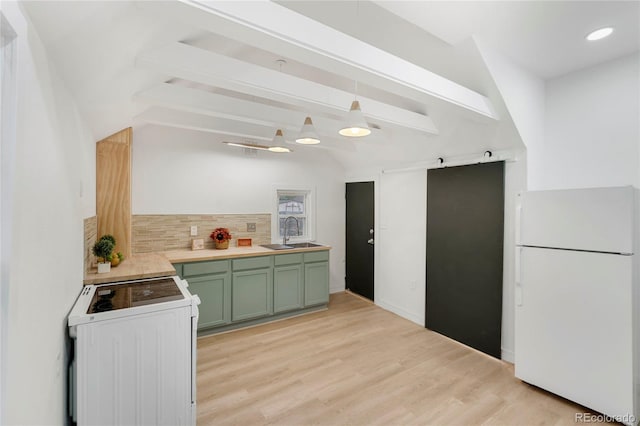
{"x": 181, "y": 256}
{"x": 138, "y": 266}
{"x": 153, "y": 265}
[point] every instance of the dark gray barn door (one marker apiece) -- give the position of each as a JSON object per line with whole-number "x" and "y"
{"x": 465, "y": 227}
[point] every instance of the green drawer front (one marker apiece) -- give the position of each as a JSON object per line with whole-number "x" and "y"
{"x": 251, "y": 263}
{"x": 288, "y": 259}
{"x": 204, "y": 268}
{"x": 316, "y": 256}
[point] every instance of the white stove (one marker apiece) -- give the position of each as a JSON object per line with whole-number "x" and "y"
{"x": 135, "y": 353}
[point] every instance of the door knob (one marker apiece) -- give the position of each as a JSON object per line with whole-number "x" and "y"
{"x": 370, "y": 241}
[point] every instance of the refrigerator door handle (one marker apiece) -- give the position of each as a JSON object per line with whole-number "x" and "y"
{"x": 518, "y": 275}
{"x": 518, "y": 223}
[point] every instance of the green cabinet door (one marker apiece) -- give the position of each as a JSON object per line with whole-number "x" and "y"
{"x": 287, "y": 288}
{"x": 215, "y": 294}
{"x": 252, "y": 294}
{"x": 316, "y": 283}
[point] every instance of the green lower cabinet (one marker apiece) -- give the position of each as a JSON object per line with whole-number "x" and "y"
{"x": 251, "y": 294}
{"x": 316, "y": 283}
{"x": 253, "y": 290}
{"x": 287, "y": 288}
{"x": 214, "y": 292}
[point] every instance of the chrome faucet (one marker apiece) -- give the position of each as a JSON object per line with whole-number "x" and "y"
{"x": 286, "y": 221}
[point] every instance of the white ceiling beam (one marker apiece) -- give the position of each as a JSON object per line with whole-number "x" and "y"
{"x": 275, "y": 28}
{"x": 216, "y": 105}
{"x": 202, "y": 66}
{"x": 241, "y": 131}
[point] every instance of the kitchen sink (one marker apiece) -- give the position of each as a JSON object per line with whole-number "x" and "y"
{"x": 289, "y": 246}
{"x": 276, "y": 246}
{"x": 304, "y": 245}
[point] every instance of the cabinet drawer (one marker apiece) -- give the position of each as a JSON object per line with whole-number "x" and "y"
{"x": 288, "y": 259}
{"x": 316, "y": 256}
{"x": 251, "y": 263}
{"x": 204, "y": 268}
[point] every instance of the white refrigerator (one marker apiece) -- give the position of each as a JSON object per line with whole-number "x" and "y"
{"x": 578, "y": 297}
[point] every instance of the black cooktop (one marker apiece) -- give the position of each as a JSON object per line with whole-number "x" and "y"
{"x": 111, "y": 297}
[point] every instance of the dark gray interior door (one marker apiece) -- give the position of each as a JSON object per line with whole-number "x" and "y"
{"x": 359, "y": 238}
{"x": 465, "y": 227}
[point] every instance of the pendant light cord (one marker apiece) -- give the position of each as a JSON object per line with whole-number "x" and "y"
{"x": 358, "y": 31}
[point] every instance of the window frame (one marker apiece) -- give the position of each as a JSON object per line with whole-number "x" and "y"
{"x": 310, "y": 210}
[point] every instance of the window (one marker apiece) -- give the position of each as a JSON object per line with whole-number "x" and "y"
{"x": 295, "y": 213}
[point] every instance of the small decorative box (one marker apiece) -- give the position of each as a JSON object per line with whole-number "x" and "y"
{"x": 244, "y": 242}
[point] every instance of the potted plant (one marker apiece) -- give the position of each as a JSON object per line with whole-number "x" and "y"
{"x": 110, "y": 238}
{"x": 102, "y": 250}
{"x": 221, "y": 237}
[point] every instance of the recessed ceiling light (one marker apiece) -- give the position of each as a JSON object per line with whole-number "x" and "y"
{"x": 599, "y": 34}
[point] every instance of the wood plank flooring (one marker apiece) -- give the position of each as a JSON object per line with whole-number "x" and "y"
{"x": 357, "y": 364}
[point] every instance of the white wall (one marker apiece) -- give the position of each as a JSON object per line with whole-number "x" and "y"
{"x": 524, "y": 95}
{"x": 592, "y": 128}
{"x": 401, "y": 243}
{"x": 178, "y": 171}
{"x": 52, "y": 148}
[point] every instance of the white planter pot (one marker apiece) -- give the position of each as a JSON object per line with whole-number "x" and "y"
{"x": 103, "y": 268}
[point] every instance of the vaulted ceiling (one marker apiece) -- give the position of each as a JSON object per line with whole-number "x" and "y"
{"x": 240, "y": 70}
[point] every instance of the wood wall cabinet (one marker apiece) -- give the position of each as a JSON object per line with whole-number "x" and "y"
{"x": 113, "y": 189}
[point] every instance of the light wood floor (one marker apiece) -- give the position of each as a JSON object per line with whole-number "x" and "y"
{"x": 357, "y": 364}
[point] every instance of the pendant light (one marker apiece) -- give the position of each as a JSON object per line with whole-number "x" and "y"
{"x": 278, "y": 143}
{"x": 308, "y": 134}
{"x": 356, "y": 126}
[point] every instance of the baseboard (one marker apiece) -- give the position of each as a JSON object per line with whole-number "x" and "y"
{"x": 508, "y": 355}
{"x": 400, "y": 311}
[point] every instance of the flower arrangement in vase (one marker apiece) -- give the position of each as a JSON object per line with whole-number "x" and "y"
{"x": 221, "y": 237}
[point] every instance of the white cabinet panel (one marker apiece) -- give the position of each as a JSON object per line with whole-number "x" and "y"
{"x": 135, "y": 370}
